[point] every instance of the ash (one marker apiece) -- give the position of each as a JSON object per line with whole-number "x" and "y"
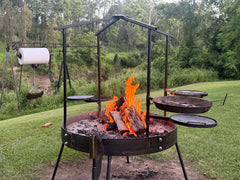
{"x": 87, "y": 128}
{"x": 93, "y": 127}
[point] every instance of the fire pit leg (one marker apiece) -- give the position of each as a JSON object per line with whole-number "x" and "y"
{"x": 109, "y": 167}
{"x": 94, "y": 169}
{"x": 128, "y": 160}
{"x": 59, "y": 157}
{"x": 181, "y": 161}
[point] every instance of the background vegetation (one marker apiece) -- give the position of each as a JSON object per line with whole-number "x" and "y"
{"x": 205, "y": 47}
{"x": 206, "y": 32}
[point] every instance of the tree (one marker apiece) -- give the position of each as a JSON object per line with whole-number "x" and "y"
{"x": 25, "y": 17}
{"x": 228, "y": 40}
{"x": 7, "y": 20}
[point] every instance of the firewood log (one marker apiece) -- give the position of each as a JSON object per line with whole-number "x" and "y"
{"x": 111, "y": 126}
{"x": 135, "y": 120}
{"x": 120, "y": 102}
{"x": 119, "y": 121}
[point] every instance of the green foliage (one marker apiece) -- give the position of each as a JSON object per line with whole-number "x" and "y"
{"x": 179, "y": 77}
{"x": 83, "y": 50}
{"x": 206, "y": 32}
{"x": 229, "y": 42}
{"x": 115, "y": 85}
{"x": 228, "y": 65}
{"x": 9, "y": 103}
{"x": 117, "y": 63}
{"x": 9, "y": 81}
{"x": 206, "y": 43}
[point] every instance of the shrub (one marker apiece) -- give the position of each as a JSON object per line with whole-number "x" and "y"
{"x": 9, "y": 103}
{"x": 9, "y": 81}
{"x": 180, "y": 77}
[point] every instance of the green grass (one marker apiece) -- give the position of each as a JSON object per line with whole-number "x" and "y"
{"x": 215, "y": 151}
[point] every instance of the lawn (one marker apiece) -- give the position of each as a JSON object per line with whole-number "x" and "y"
{"x": 25, "y": 146}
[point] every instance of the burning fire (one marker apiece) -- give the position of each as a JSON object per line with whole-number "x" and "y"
{"x": 130, "y": 101}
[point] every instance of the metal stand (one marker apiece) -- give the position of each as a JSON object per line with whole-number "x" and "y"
{"x": 113, "y": 19}
{"x": 109, "y": 167}
{"x": 8, "y": 57}
{"x": 128, "y": 160}
{"x": 34, "y": 66}
{"x": 59, "y": 157}
{"x": 94, "y": 169}
{"x": 49, "y": 69}
{"x": 60, "y": 75}
{"x": 181, "y": 161}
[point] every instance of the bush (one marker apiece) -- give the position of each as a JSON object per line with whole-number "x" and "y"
{"x": 179, "y": 77}
{"x": 113, "y": 86}
{"x": 9, "y": 103}
{"x": 9, "y": 81}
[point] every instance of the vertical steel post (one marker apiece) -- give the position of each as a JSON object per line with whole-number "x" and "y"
{"x": 59, "y": 157}
{"x": 181, "y": 161}
{"x": 64, "y": 78}
{"x": 3, "y": 81}
{"x": 15, "y": 83}
{"x": 68, "y": 76}
{"x": 64, "y": 97}
{"x": 93, "y": 169}
{"x": 20, "y": 80}
{"x": 128, "y": 160}
{"x": 166, "y": 69}
{"x": 109, "y": 167}
{"x": 8, "y": 57}
{"x": 99, "y": 78}
{"x": 148, "y": 81}
{"x": 60, "y": 75}
{"x": 166, "y": 66}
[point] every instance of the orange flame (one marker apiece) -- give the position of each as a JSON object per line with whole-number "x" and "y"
{"x": 130, "y": 100}
{"x": 111, "y": 106}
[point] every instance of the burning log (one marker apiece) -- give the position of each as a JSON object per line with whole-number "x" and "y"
{"x": 125, "y": 111}
{"x": 111, "y": 126}
{"x": 135, "y": 121}
{"x": 119, "y": 121}
{"x": 120, "y": 102}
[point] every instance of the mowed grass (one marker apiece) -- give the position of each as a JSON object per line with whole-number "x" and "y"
{"x": 25, "y": 146}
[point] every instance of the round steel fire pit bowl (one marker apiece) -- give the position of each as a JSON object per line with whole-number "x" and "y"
{"x": 93, "y": 137}
{"x": 189, "y": 93}
{"x": 179, "y": 104}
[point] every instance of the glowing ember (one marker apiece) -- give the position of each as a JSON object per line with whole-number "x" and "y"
{"x": 130, "y": 103}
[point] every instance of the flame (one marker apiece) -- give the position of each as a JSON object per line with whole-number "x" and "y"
{"x": 111, "y": 106}
{"x": 130, "y": 100}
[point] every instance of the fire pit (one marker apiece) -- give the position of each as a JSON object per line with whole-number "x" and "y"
{"x": 122, "y": 129}
{"x": 82, "y": 128}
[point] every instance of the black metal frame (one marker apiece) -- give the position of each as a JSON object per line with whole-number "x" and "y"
{"x": 113, "y": 20}
{"x": 60, "y": 77}
{"x": 8, "y": 57}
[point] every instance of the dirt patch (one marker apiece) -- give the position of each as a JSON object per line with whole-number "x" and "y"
{"x": 120, "y": 170}
{"x": 43, "y": 82}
